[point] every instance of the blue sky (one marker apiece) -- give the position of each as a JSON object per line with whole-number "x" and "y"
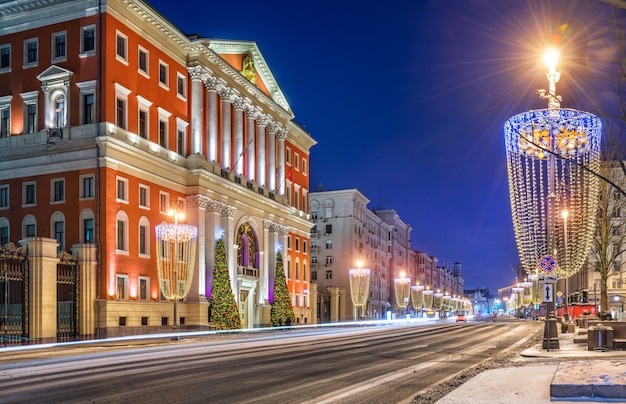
{"x": 407, "y": 101}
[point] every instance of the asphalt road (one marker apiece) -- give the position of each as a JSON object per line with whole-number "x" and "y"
{"x": 372, "y": 364}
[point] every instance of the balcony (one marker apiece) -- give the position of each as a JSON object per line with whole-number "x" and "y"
{"x": 247, "y": 272}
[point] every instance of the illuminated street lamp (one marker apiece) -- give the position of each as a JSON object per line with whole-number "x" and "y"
{"x": 403, "y": 291}
{"x": 564, "y": 215}
{"x": 417, "y": 293}
{"x": 428, "y": 299}
{"x": 176, "y": 248}
{"x": 359, "y": 288}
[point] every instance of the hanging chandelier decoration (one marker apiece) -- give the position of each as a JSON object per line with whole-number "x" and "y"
{"x": 551, "y": 154}
{"x": 176, "y": 247}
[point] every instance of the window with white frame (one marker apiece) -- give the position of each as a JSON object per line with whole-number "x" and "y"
{"x": 144, "y": 196}
{"x": 87, "y": 226}
{"x": 30, "y": 111}
{"x": 304, "y": 272}
{"x": 121, "y": 105}
{"x": 121, "y": 282}
{"x": 31, "y": 53}
{"x": 289, "y": 274}
{"x": 164, "y": 74}
{"x": 121, "y": 232}
{"x": 5, "y": 58}
{"x": 143, "y": 61}
{"x": 288, "y": 156}
{"x": 143, "y": 119}
{"x": 87, "y": 101}
{"x": 121, "y": 189}
{"x": 5, "y": 116}
{"x": 304, "y": 167}
{"x": 29, "y": 193}
{"x": 86, "y": 185}
{"x": 296, "y": 161}
{"x": 29, "y": 226}
{"x": 57, "y": 190}
{"x": 181, "y": 137}
{"x": 59, "y": 110}
{"x": 144, "y": 288}
{"x": 4, "y": 196}
{"x": 59, "y": 47}
{"x": 87, "y": 41}
{"x": 297, "y": 270}
{"x": 164, "y": 117}
{"x": 144, "y": 237}
{"x": 4, "y": 231}
{"x": 164, "y": 202}
{"x": 181, "y": 86}
{"x": 121, "y": 47}
{"x": 57, "y": 230}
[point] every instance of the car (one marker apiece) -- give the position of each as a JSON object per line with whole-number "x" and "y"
{"x": 461, "y": 317}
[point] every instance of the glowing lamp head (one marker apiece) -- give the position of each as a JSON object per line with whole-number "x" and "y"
{"x": 359, "y": 264}
{"x": 551, "y": 57}
{"x": 565, "y": 214}
{"x": 401, "y": 274}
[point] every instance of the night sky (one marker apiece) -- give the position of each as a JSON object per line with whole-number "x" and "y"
{"x": 407, "y": 101}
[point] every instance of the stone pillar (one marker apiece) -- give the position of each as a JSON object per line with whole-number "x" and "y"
{"x": 226, "y": 127}
{"x": 271, "y": 149}
{"x": 312, "y": 302}
{"x": 261, "y": 160}
{"x": 239, "y": 149}
{"x": 42, "y": 260}
{"x": 211, "y": 87}
{"x": 251, "y": 144}
{"x": 88, "y": 267}
{"x": 195, "y": 73}
{"x": 228, "y": 220}
{"x": 213, "y": 226}
{"x": 281, "y": 135}
{"x": 334, "y": 304}
{"x": 196, "y": 216}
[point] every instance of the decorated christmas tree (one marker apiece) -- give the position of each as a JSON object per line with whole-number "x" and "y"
{"x": 281, "y": 312}
{"x": 224, "y": 314}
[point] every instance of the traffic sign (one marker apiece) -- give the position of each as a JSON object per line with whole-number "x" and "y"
{"x": 547, "y": 278}
{"x": 548, "y": 291}
{"x": 547, "y": 263}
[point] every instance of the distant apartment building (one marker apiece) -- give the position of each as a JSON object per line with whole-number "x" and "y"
{"x": 347, "y": 234}
{"x": 109, "y": 117}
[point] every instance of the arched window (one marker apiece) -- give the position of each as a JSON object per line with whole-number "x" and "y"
{"x": 121, "y": 232}
{"x": 144, "y": 237}
{"x": 57, "y": 229}
{"x": 59, "y": 111}
{"x": 29, "y": 226}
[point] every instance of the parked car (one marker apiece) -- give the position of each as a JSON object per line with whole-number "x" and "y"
{"x": 461, "y": 317}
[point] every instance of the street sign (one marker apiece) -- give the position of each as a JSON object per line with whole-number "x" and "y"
{"x": 548, "y": 291}
{"x": 547, "y": 263}
{"x": 547, "y": 278}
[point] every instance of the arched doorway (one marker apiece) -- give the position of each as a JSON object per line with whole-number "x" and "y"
{"x": 247, "y": 273}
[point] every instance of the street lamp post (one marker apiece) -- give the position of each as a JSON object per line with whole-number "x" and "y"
{"x": 564, "y": 215}
{"x": 359, "y": 288}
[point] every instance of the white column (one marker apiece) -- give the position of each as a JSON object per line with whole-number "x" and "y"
{"x": 281, "y": 134}
{"x": 228, "y": 221}
{"x": 261, "y": 160}
{"x": 196, "y": 215}
{"x": 211, "y": 87}
{"x": 271, "y": 149}
{"x": 251, "y": 144}
{"x": 226, "y": 127}
{"x": 239, "y": 150}
{"x": 195, "y": 73}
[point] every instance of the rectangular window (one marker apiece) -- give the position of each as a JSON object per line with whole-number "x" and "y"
{"x": 122, "y": 286}
{"x": 164, "y": 202}
{"x": 329, "y": 229}
{"x": 121, "y": 113}
{"x": 122, "y": 189}
{"x": 31, "y": 52}
{"x": 142, "y": 61}
{"x": 329, "y": 274}
{"x": 59, "y": 47}
{"x": 87, "y": 187}
{"x": 163, "y": 133}
{"x": 143, "y": 124}
{"x": 88, "y": 40}
{"x": 5, "y": 58}
{"x": 4, "y": 196}
{"x": 59, "y": 235}
{"x": 144, "y": 288}
{"x": 180, "y": 142}
{"x": 297, "y": 271}
{"x": 143, "y": 234}
{"x": 5, "y": 122}
{"x": 304, "y": 166}
{"x": 29, "y": 193}
{"x": 288, "y": 156}
{"x": 31, "y": 118}
{"x": 163, "y": 73}
{"x": 121, "y": 45}
{"x": 144, "y": 196}
{"x": 296, "y": 161}
{"x": 4, "y": 235}
{"x": 88, "y": 228}
{"x": 89, "y": 108}
{"x": 297, "y": 244}
{"x": 181, "y": 85}
{"x": 58, "y": 190}
{"x": 30, "y": 230}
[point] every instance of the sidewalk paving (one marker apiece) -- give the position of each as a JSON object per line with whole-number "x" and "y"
{"x": 596, "y": 377}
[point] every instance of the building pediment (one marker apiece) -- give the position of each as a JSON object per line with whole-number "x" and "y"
{"x": 54, "y": 73}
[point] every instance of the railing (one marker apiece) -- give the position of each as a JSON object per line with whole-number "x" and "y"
{"x": 247, "y": 271}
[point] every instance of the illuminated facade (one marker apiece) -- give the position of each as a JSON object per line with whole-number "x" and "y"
{"x": 110, "y": 116}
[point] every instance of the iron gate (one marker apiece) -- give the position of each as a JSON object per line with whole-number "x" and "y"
{"x": 67, "y": 297}
{"x": 13, "y": 295}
